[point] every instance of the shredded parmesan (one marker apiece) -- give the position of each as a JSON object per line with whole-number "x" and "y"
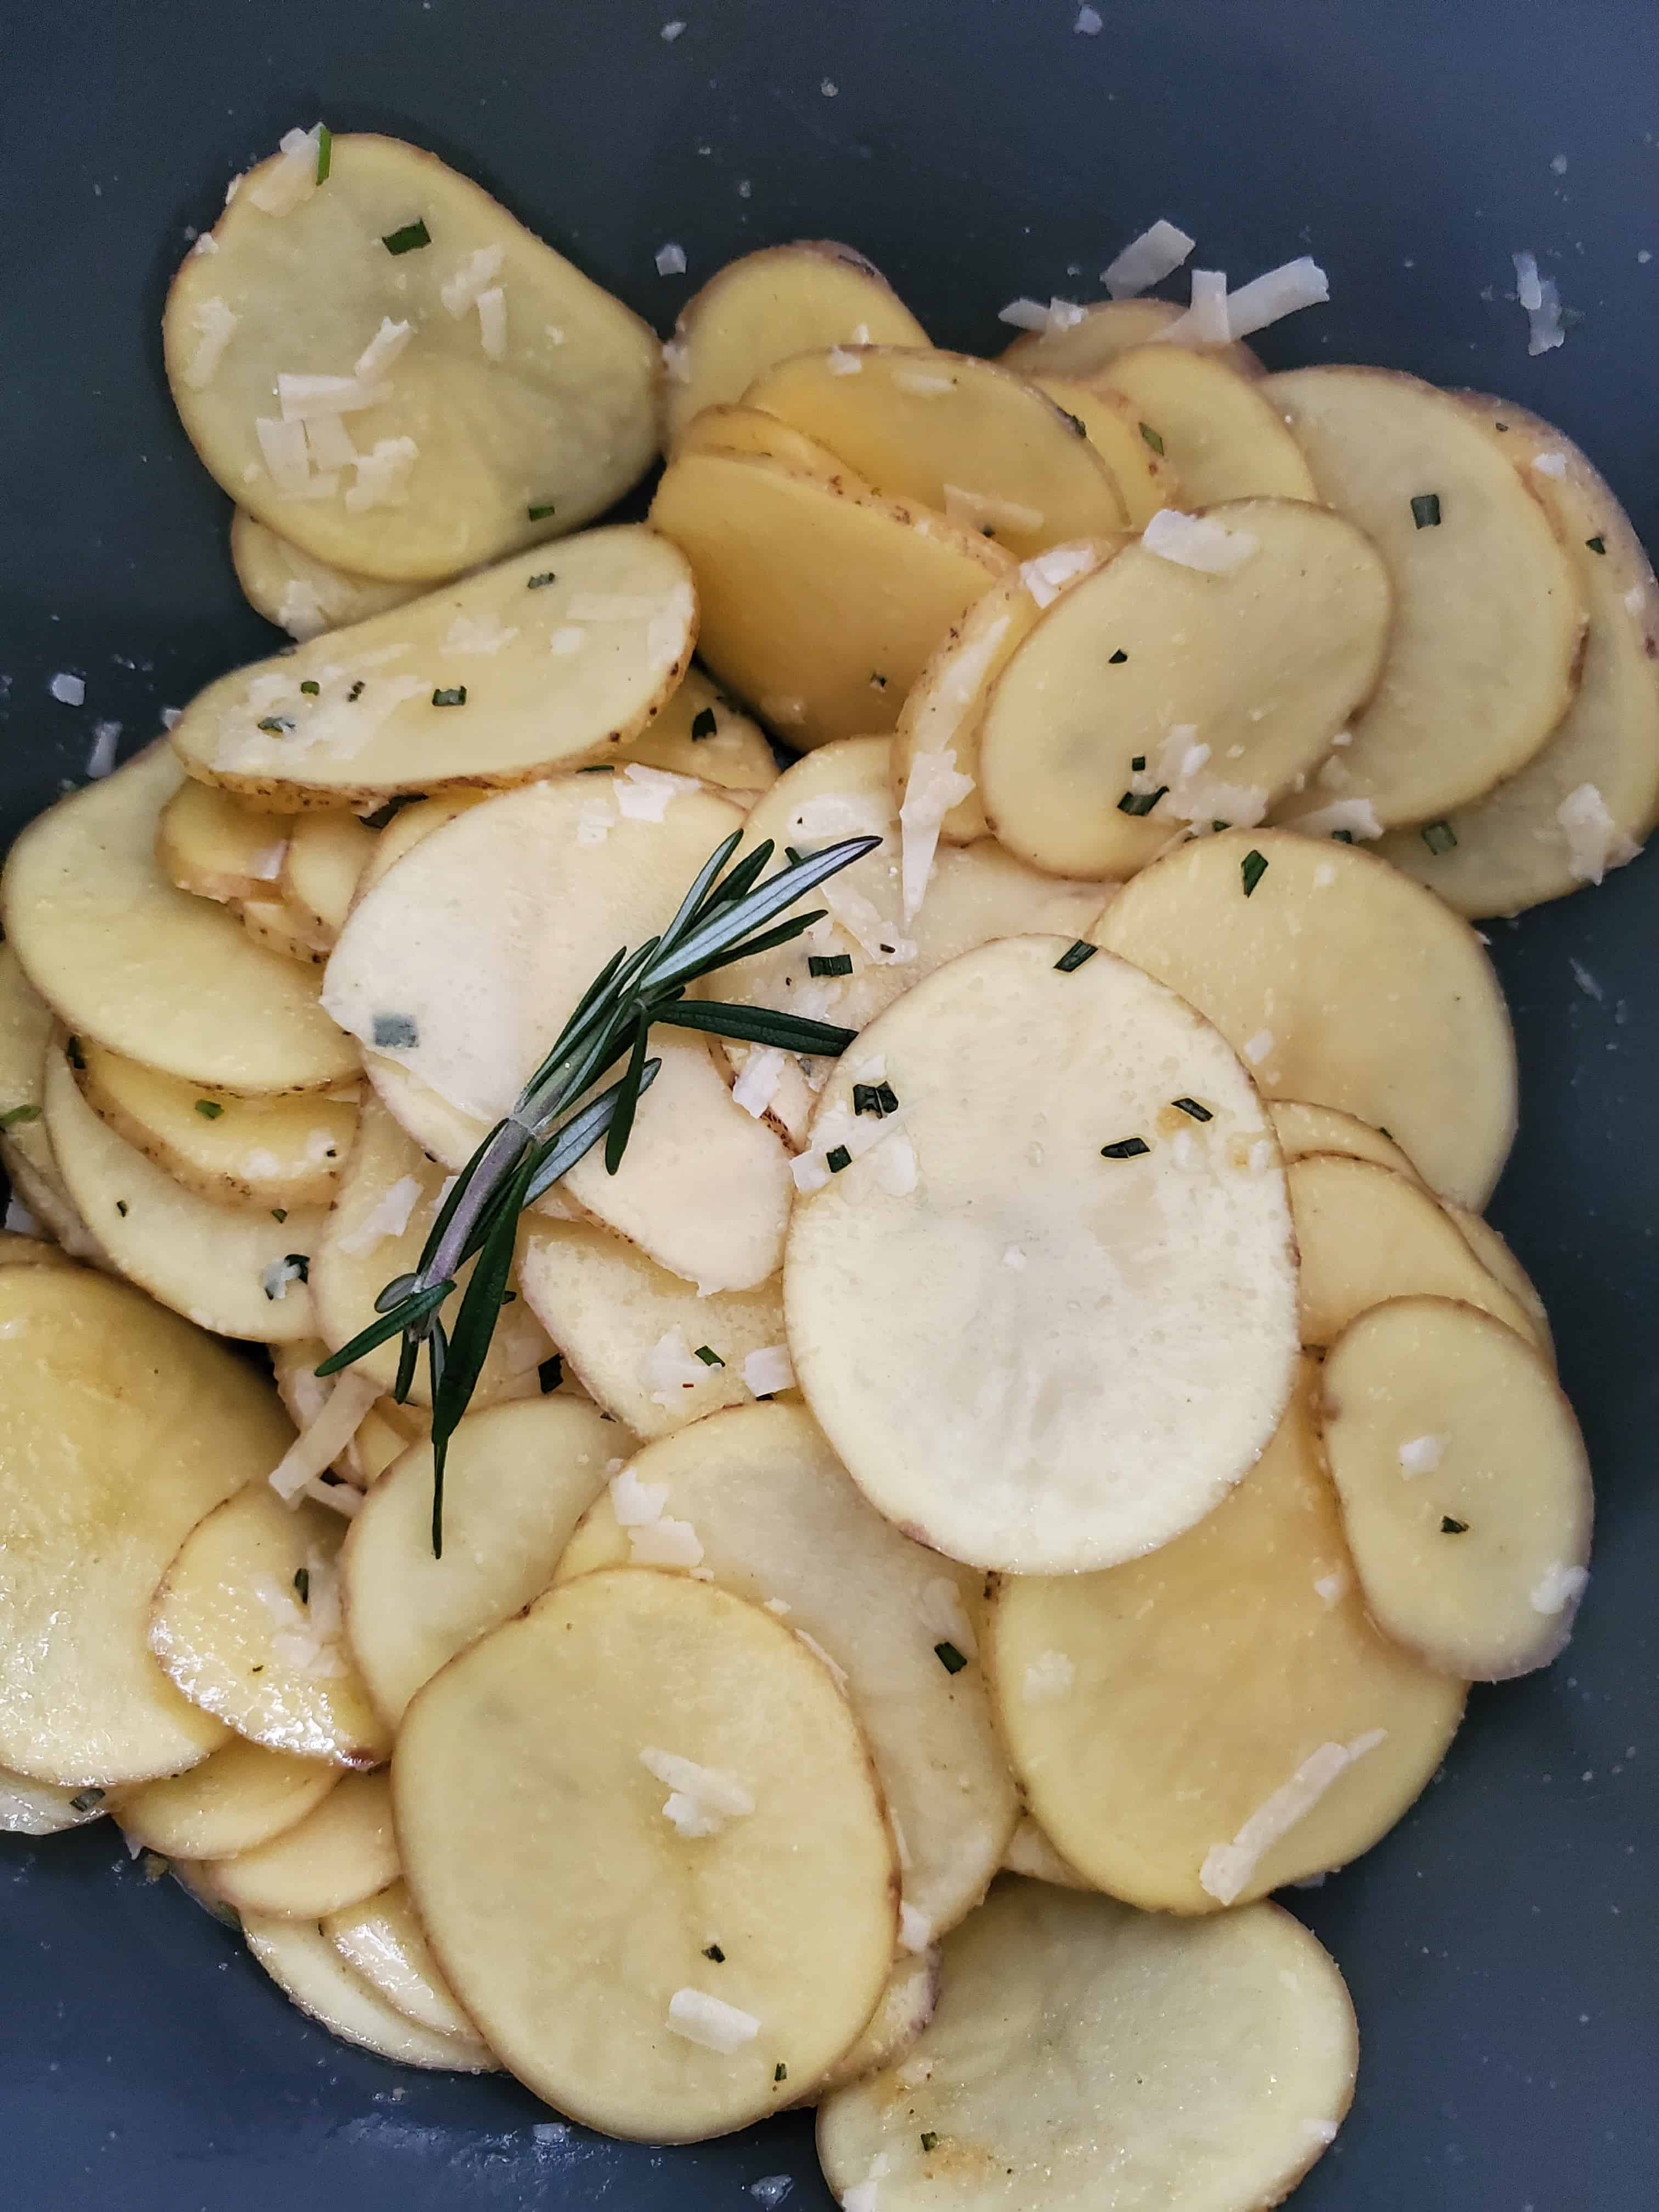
{"x": 468, "y": 634}
{"x": 915, "y": 1929}
{"x": 1550, "y": 464}
{"x": 1206, "y": 321}
{"x": 676, "y": 361}
{"x": 1422, "y": 1455}
{"x": 213, "y": 322}
{"x": 1194, "y": 541}
{"x": 328, "y": 443}
{"x": 1032, "y": 315}
{"x": 1594, "y": 842}
{"x": 757, "y": 1084}
{"x": 595, "y": 822}
{"x": 1227, "y": 1868}
{"x": 703, "y": 1799}
{"x": 459, "y": 293}
{"x": 1046, "y": 576}
{"x": 710, "y": 2021}
{"x": 275, "y": 1279}
{"x": 670, "y": 1367}
{"x": 1331, "y": 1586}
{"x": 302, "y": 397}
{"x": 768, "y": 1371}
{"x": 106, "y": 736}
{"x": 383, "y": 475}
{"x": 492, "y": 322}
{"x": 931, "y": 790}
{"x": 1542, "y": 301}
{"x": 292, "y": 179}
{"x": 388, "y": 1216}
{"x": 634, "y": 1502}
{"x": 671, "y": 259}
{"x": 1049, "y": 1675}
{"x": 843, "y": 363}
{"x": 283, "y": 446}
{"x": 68, "y": 691}
{"x": 1257, "y": 1048}
{"x": 320, "y": 1443}
{"x": 664, "y": 1543}
{"x": 642, "y": 793}
{"x": 1557, "y": 1588}
{"x": 382, "y": 350}
{"x": 1147, "y": 260}
{"x": 1280, "y": 292}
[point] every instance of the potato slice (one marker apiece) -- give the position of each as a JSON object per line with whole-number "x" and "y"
{"x": 1224, "y": 688}
{"x": 750, "y": 430}
{"x": 339, "y": 1855}
{"x": 18, "y": 1251}
{"x": 121, "y": 1428}
{"x": 520, "y": 1478}
{"x": 521, "y": 403}
{"x": 1345, "y": 985}
{"x": 764, "y": 307}
{"x": 545, "y": 661}
{"x": 1064, "y": 1366}
{"x": 569, "y": 1913}
{"x": 731, "y": 752}
{"x": 819, "y": 607}
{"x": 105, "y": 939}
{"x": 385, "y": 1430}
{"x": 907, "y": 2003}
{"x": 1224, "y": 440}
{"x": 282, "y": 928}
{"x": 1109, "y": 329}
{"x": 219, "y": 847}
{"x": 1197, "y": 1728}
{"x": 1093, "y": 2055}
{"x": 780, "y": 1523}
{"x": 325, "y": 857}
{"x": 237, "y": 1799}
{"x": 45, "y": 1808}
{"x": 303, "y": 596}
{"x": 957, "y": 434}
{"x": 1031, "y": 1853}
{"x": 1489, "y": 617}
{"x": 1465, "y": 1486}
{"x": 415, "y": 821}
{"x": 973, "y": 896}
{"x": 43, "y": 1197}
{"x": 308, "y": 1968}
{"x": 1366, "y": 1235}
{"x": 1145, "y": 479}
{"x": 247, "y": 1623}
{"x": 382, "y": 1940}
{"x": 1501, "y": 1264}
{"x": 1301, "y": 1129}
{"x": 24, "y": 1148}
{"x": 1516, "y": 847}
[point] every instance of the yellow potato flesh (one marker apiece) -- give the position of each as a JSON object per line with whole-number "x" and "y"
{"x": 308, "y": 1968}
{"x": 1301, "y": 1129}
{"x": 326, "y": 855}
{"x": 1222, "y": 438}
{"x": 303, "y": 596}
{"x": 1109, "y": 329}
{"x": 219, "y": 847}
{"x": 238, "y": 1799}
{"x": 1144, "y": 476}
{"x": 750, "y": 430}
{"x": 382, "y": 1940}
{"x": 339, "y": 1855}
{"x": 733, "y": 756}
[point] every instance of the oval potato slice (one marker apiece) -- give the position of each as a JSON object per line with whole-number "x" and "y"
{"x": 907, "y": 2003}
{"x": 1197, "y": 1728}
{"x": 105, "y": 938}
{"x": 511, "y": 445}
{"x": 238, "y": 1799}
{"x": 308, "y": 1969}
{"x": 303, "y": 596}
{"x": 20, "y": 1251}
{"x": 1108, "y": 329}
{"x": 810, "y": 592}
{"x": 568, "y": 1913}
{"x": 326, "y": 855}
{"x": 1085, "y": 2053}
{"x": 119, "y": 1428}
{"x": 339, "y": 1855}
{"x": 1130, "y": 448}
{"x": 1222, "y": 439}
{"x": 1031, "y": 1853}
{"x": 1041, "y": 1349}
{"x": 45, "y": 1808}
{"x": 1489, "y": 617}
{"x": 25, "y": 1148}
{"x": 382, "y": 1940}
{"x": 1301, "y": 1129}
{"x": 700, "y": 732}
{"x": 1345, "y": 985}
{"x": 281, "y": 927}
{"x": 412, "y": 822}
{"x": 749, "y": 431}
{"x": 779, "y": 1519}
{"x": 1224, "y": 688}
{"x": 219, "y": 847}
{"x": 48, "y": 1205}
{"x": 1501, "y": 1264}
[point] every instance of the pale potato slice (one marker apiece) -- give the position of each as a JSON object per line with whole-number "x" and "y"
{"x": 41, "y": 1194}
{"x": 121, "y": 1428}
{"x": 569, "y": 1913}
{"x": 25, "y": 1148}
{"x": 1108, "y": 329}
{"x": 1224, "y": 440}
{"x": 237, "y": 1799}
{"x": 549, "y": 659}
{"x": 45, "y": 1808}
{"x": 1514, "y": 848}
{"x": 1197, "y": 1728}
{"x": 18, "y": 1251}
{"x": 525, "y": 414}
{"x": 780, "y": 1523}
{"x": 517, "y": 1480}
{"x": 907, "y": 2003}
{"x": 105, "y": 938}
{"x": 1048, "y": 1317}
{"x": 1489, "y": 616}
{"x": 1301, "y": 1129}
{"x": 1366, "y": 1234}
{"x": 382, "y": 1940}
{"x": 728, "y": 751}
{"x": 1031, "y": 1853}
{"x": 956, "y": 434}
{"x": 325, "y": 858}
{"x": 247, "y": 1623}
{"x": 308, "y": 1968}
{"x": 818, "y": 607}
{"x": 414, "y": 821}
{"x": 764, "y": 307}
{"x": 339, "y": 1855}
{"x": 1130, "y": 448}
{"x": 1086, "y": 2056}
{"x": 1501, "y": 1264}
{"x": 385, "y": 1430}
{"x": 220, "y": 847}
{"x": 1155, "y": 693}
{"x": 1465, "y": 1486}
{"x": 260, "y": 1153}
{"x": 282, "y": 928}
{"x": 232, "y": 1269}
{"x": 299, "y": 594}
{"x": 1344, "y": 984}
{"x": 765, "y": 437}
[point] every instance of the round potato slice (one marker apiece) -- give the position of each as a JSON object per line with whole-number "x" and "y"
{"x": 1465, "y": 1486}
{"x": 819, "y": 607}
{"x": 488, "y": 394}
{"x": 1344, "y": 986}
{"x": 1130, "y": 448}
{"x": 45, "y": 1808}
{"x": 764, "y": 437}
{"x": 219, "y": 847}
{"x": 1301, "y": 1129}
{"x": 281, "y": 927}
{"x": 1194, "y": 1728}
{"x": 1501, "y": 1264}
{"x": 1157, "y": 693}
{"x": 700, "y": 732}
{"x": 1086, "y": 2054}
{"x": 1055, "y": 1329}
{"x": 48, "y": 1205}
{"x": 382, "y": 1940}
{"x": 247, "y": 1623}
{"x": 1489, "y": 617}
{"x": 303, "y": 596}
{"x": 764, "y": 307}
{"x": 1580, "y": 805}
{"x": 780, "y": 1523}
{"x": 1031, "y": 1853}
{"x": 325, "y": 857}
{"x": 575, "y": 1919}
{"x": 1224, "y": 440}
{"x": 907, "y": 2003}
{"x": 18, "y": 1251}
{"x": 415, "y": 821}
{"x": 339, "y": 1855}
{"x": 957, "y": 434}
{"x": 121, "y": 1427}
{"x": 542, "y": 662}
{"x": 237, "y": 1799}
{"x": 308, "y": 1968}
{"x": 519, "y": 1479}
{"x": 1108, "y": 329}
{"x": 25, "y": 1148}
{"x": 105, "y": 938}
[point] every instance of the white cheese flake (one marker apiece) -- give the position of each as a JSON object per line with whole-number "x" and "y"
{"x": 105, "y": 736}
{"x": 1422, "y": 1455}
{"x": 1046, "y": 575}
{"x": 1196, "y": 541}
{"x": 68, "y": 691}
{"x": 916, "y": 1929}
{"x": 469, "y": 634}
{"x": 1032, "y": 315}
{"x": 636, "y": 1503}
{"x": 328, "y": 443}
{"x": 283, "y": 447}
{"x": 844, "y": 363}
{"x": 1594, "y": 842}
{"x": 1329, "y": 1589}
{"x": 322, "y": 1440}
{"x": 1206, "y": 321}
{"x": 302, "y": 397}
{"x": 672, "y": 1368}
{"x": 568, "y": 638}
{"x": 1147, "y": 260}
{"x": 671, "y": 259}
{"x": 292, "y": 179}
{"x": 274, "y": 1278}
{"x": 213, "y": 320}
{"x": 382, "y": 350}
{"x": 383, "y": 475}
{"x": 710, "y": 2021}
{"x": 643, "y": 795}
{"x": 701, "y": 1799}
{"x": 670, "y": 32}
{"x": 768, "y": 1371}
{"x": 1048, "y": 1676}
{"x": 388, "y": 1216}
{"x": 1557, "y": 1588}
{"x": 301, "y": 611}
{"x": 1088, "y": 24}
{"x": 460, "y": 292}
{"x": 664, "y": 1543}
{"x": 492, "y": 322}
{"x": 1280, "y": 292}
{"x": 1227, "y": 1868}
{"x": 1550, "y": 464}
{"x": 932, "y": 789}
{"x": 1357, "y": 815}
{"x": 756, "y": 1085}
{"x": 1257, "y": 1048}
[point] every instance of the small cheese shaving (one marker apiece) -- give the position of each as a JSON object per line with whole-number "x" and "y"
{"x": 915, "y": 1929}
{"x": 106, "y": 736}
{"x": 1227, "y": 1868}
{"x": 477, "y": 273}
{"x": 676, "y": 361}
{"x": 383, "y": 475}
{"x": 1147, "y": 260}
{"x": 1331, "y": 1586}
{"x": 68, "y": 691}
{"x": 322, "y": 1440}
{"x": 468, "y": 634}
{"x": 388, "y": 1216}
{"x": 302, "y": 397}
{"x": 665, "y": 1544}
{"x": 769, "y": 2191}
{"x": 1422, "y": 1455}
{"x": 1032, "y": 315}
{"x": 944, "y": 1615}
{"x": 843, "y": 363}
{"x": 757, "y": 1085}
{"x": 924, "y": 384}
{"x": 981, "y": 512}
{"x": 671, "y": 259}
{"x": 1257, "y": 1049}
{"x": 1357, "y": 815}
{"x": 292, "y": 178}
{"x": 1049, "y": 1675}
{"x": 1280, "y": 292}
{"x": 768, "y": 1371}
{"x": 283, "y": 446}
{"x": 328, "y": 443}
{"x": 710, "y": 2021}
{"x": 1206, "y": 321}
{"x": 568, "y": 638}
{"x": 642, "y": 793}
{"x": 1557, "y": 1588}
{"x": 1046, "y": 576}
{"x": 1089, "y": 23}
{"x": 492, "y": 322}
{"x": 704, "y": 1797}
{"x": 670, "y": 1368}
{"x": 1541, "y": 301}
{"x": 1550, "y": 464}
{"x": 382, "y": 350}
{"x": 307, "y": 1634}
{"x": 596, "y": 821}
{"x": 932, "y": 789}
{"x": 634, "y": 1502}
{"x": 213, "y": 322}
{"x": 1594, "y": 842}
{"x": 1194, "y": 541}
{"x": 275, "y": 1279}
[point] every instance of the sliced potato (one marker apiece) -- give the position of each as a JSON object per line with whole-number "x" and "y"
{"x": 220, "y": 847}
{"x": 764, "y": 307}
{"x": 907, "y": 2003}
{"x": 749, "y": 431}
{"x": 1031, "y": 1853}
{"x": 1109, "y": 329}
{"x": 1301, "y": 1129}
{"x": 1090, "y": 2054}
{"x": 18, "y": 1251}
{"x": 415, "y": 821}
{"x": 41, "y": 1193}
{"x": 306, "y": 1967}
{"x": 339, "y": 1855}
{"x": 25, "y": 1148}
{"x": 1465, "y": 1486}
{"x": 281, "y": 927}
{"x": 105, "y": 938}
{"x": 519, "y": 1479}
{"x": 569, "y": 1914}
{"x": 237, "y": 1799}
{"x": 45, "y": 1808}
{"x": 326, "y": 855}
{"x": 549, "y": 659}
{"x": 382, "y": 1940}
{"x": 247, "y": 1623}
{"x": 1224, "y": 688}
{"x": 120, "y": 1429}
{"x": 1489, "y": 617}
{"x": 1500, "y": 1262}
{"x": 700, "y": 732}
{"x": 1344, "y": 983}
{"x": 385, "y": 1432}
{"x": 1580, "y": 805}
{"x": 1066, "y": 1366}
{"x": 780, "y": 1523}
{"x": 1145, "y": 479}
{"x": 301, "y": 595}
{"x": 501, "y": 420}
{"x": 819, "y": 607}
{"x": 1224, "y": 440}
{"x": 1197, "y": 1728}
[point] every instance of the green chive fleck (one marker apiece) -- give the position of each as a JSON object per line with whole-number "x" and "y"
{"x": 1137, "y": 763}
{"x": 1439, "y": 836}
{"x": 355, "y": 693}
{"x": 302, "y": 1584}
{"x": 77, "y": 1059}
{"x": 1117, "y": 659}
{"x": 409, "y": 238}
{"x": 1451, "y": 1528}
{"x": 1342, "y": 837}
{"x": 279, "y": 1214}
{"x": 325, "y": 152}
{"x": 395, "y": 1030}
{"x": 1251, "y": 869}
{"x": 792, "y": 856}
{"x": 121, "y": 1207}
{"x": 15, "y": 1114}
{"x": 1075, "y": 954}
{"x": 550, "y": 1373}
{"x": 1126, "y": 1148}
{"x": 714, "y": 1951}
{"x": 878, "y": 683}
{"x": 277, "y": 724}
{"x": 1597, "y": 544}
{"x": 929, "y": 2140}
{"x": 87, "y": 1801}
{"x": 208, "y": 1109}
{"x": 949, "y": 1658}
{"x": 828, "y": 963}
{"x": 541, "y": 514}
{"x": 780, "y": 2072}
{"x": 542, "y": 579}
{"x": 837, "y": 1159}
{"x": 301, "y": 1263}
{"x": 1425, "y": 510}
{"x": 455, "y": 695}
{"x": 704, "y": 723}
{"x": 1151, "y": 438}
{"x": 876, "y": 1098}
{"x": 1140, "y": 802}
{"x": 312, "y": 689}
{"x": 1191, "y": 1106}
{"x": 709, "y": 1356}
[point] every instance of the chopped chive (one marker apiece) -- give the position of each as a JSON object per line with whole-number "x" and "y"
{"x": 409, "y": 238}
{"x": 596, "y": 767}
{"x": 312, "y": 689}
{"x": 780, "y": 2072}
{"x": 704, "y": 723}
{"x": 1075, "y": 954}
{"x": 1078, "y": 424}
{"x": 709, "y": 1356}
{"x": 86, "y": 1801}
{"x": 1117, "y": 659}
{"x": 277, "y": 724}
{"x": 714, "y": 1951}
{"x": 302, "y": 1584}
{"x": 1451, "y": 1528}
{"x": 509, "y": 1298}
{"x": 208, "y": 1109}
{"x": 1219, "y": 826}
{"x": 1425, "y": 510}
{"x": 395, "y": 1030}
{"x": 1191, "y": 1106}
{"x": 541, "y": 514}
{"x": 1151, "y": 438}
{"x": 1597, "y": 544}
{"x": 949, "y": 1658}
{"x": 878, "y": 683}
{"x": 542, "y": 579}
{"x": 1137, "y": 763}
{"x": 550, "y": 1373}
{"x": 837, "y": 1159}
{"x": 77, "y": 1059}
{"x": 792, "y": 856}
{"x": 1140, "y": 802}
{"x": 325, "y": 152}
{"x": 301, "y": 1263}
{"x": 455, "y": 695}
{"x": 14, "y": 1114}
{"x": 1439, "y": 836}
{"x": 279, "y": 1214}
{"x": 929, "y": 2140}
{"x": 121, "y": 1207}
{"x": 1342, "y": 837}
{"x": 1251, "y": 869}
{"x": 1500, "y": 426}
{"x": 828, "y": 963}
{"x": 1126, "y": 1148}
{"x": 876, "y": 1098}
{"x": 355, "y": 693}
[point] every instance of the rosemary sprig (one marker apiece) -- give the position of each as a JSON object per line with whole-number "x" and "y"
{"x": 723, "y": 918}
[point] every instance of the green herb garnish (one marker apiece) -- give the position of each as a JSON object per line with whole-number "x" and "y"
{"x": 391, "y": 1031}
{"x": 714, "y": 1951}
{"x": 277, "y": 725}
{"x": 87, "y": 1801}
{"x": 16, "y": 1114}
{"x": 121, "y": 1207}
{"x": 1126, "y": 1148}
{"x": 279, "y": 1214}
{"x": 312, "y": 689}
{"x": 1425, "y": 510}
{"x": 540, "y": 581}
{"x": 837, "y": 1159}
{"x": 1140, "y": 802}
{"x": 355, "y": 693}
{"x": 409, "y": 238}
{"x": 780, "y": 2072}
{"x": 929, "y": 2140}
{"x": 1439, "y": 836}
{"x": 1251, "y": 869}
{"x": 1451, "y": 1528}
{"x": 455, "y": 695}
{"x": 1117, "y": 659}
{"x": 1153, "y": 438}
{"x": 704, "y": 723}
{"x": 1137, "y": 763}
{"x": 550, "y": 1373}
{"x": 949, "y": 1658}
{"x": 541, "y": 514}
{"x": 302, "y": 1584}
{"x": 208, "y": 1109}
{"x": 1342, "y": 837}
{"x": 1075, "y": 954}
{"x": 1597, "y": 544}
{"x": 876, "y": 1098}
{"x": 828, "y": 963}
{"x": 325, "y": 152}
{"x": 1191, "y": 1106}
